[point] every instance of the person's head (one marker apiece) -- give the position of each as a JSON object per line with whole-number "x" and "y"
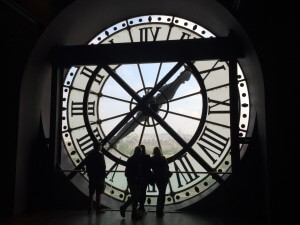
{"x": 137, "y": 150}
{"x": 157, "y": 152}
{"x": 143, "y": 149}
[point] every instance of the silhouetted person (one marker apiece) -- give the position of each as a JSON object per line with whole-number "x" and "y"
{"x": 146, "y": 178}
{"x": 161, "y": 172}
{"x": 146, "y": 174}
{"x": 95, "y": 166}
{"x": 133, "y": 172}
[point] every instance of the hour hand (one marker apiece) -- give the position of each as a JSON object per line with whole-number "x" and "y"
{"x": 128, "y": 128}
{"x": 169, "y": 90}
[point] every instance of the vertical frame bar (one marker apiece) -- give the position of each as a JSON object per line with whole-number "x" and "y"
{"x": 234, "y": 115}
{"x": 59, "y": 98}
{"x": 55, "y": 117}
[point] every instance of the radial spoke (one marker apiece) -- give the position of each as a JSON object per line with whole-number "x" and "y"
{"x": 142, "y": 78}
{"x": 142, "y": 134}
{"x": 179, "y": 114}
{"x": 77, "y": 89}
{"x": 157, "y": 75}
{"x": 218, "y": 124}
{"x": 218, "y": 103}
{"x": 114, "y": 69}
{"x": 118, "y": 99}
{"x": 148, "y": 120}
{"x": 82, "y": 126}
{"x": 212, "y": 68}
{"x": 220, "y": 86}
{"x": 114, "y": 117}
{"x": 182, "y": 97}
{"x": 156, "y": 134}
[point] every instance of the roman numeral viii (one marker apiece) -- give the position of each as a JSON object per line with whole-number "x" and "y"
{"x": 212, "y": 143}
{"x": 185, "y": 171}
{"x": 85, "y": 142}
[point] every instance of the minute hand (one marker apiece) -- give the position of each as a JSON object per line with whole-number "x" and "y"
{"x": 167, "y": 91}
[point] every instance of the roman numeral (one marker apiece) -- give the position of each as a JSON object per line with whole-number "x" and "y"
{"x": 147, "y": 33}
{"x": 113, "y": 170}
{"x": 86, "y": 71}
{"x": 188, "y": 173}
{"x": 217, "y": 87}
{"x": 218, "y": 103}
{"x": 214, "y": 68}
{"x": 151, "y": 189}
{"x": 185, "y": 36}
{"x": 85, "y": 142}
{"x": 212, "y": 143}
{"x": 77, "y": 108}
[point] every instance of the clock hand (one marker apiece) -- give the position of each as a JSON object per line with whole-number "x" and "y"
{"x": 166, "y": 92}
{"x": 127, "y": 128}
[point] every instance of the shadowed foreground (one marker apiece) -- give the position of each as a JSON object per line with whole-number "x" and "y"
{"x": 73, "y": 217}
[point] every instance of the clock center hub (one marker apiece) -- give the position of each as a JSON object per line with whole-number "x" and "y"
{"x": 158, "y": 104}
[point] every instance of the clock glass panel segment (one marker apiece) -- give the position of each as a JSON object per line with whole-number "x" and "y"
{"x": 195, "y": 105}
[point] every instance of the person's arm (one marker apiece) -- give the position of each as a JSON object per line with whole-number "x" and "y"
{"x": 103, "y": 165}
{"x": 166, "y": 165}
{"x": 127, "y": 172}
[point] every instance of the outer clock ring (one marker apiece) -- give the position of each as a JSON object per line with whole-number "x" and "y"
{"x": 175, "y": 156}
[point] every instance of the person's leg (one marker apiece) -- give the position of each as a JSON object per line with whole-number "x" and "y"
{"x": 161, "y": 198}
{"x": 143, "y": 197}
{"x": 98, "y": 197}
{"x": 99, "y": 190}
{"x": 134, "y": 199}
{"x": 125, "y": 206}
{"x": 91, "y": 194}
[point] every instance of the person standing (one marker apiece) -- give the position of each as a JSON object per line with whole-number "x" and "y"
{"x": 95, "y": 167}
{"x": 133, "y": 172}
{"x": 146, "y": 179}
{"x": 161, "y": 173}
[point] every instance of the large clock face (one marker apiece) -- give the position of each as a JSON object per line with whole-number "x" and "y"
{"x": 192, "y": 122}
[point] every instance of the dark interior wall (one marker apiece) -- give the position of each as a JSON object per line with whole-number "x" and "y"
{"x": 269, "y": 27}
{"x": 18, "y": 38}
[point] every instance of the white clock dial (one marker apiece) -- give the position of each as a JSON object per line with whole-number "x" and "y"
{"x": 196, "y": 107}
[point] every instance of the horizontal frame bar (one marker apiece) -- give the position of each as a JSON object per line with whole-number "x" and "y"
{"x": 223, "y": 48}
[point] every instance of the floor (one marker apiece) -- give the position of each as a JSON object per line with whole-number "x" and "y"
{"x": 73, "y": 217}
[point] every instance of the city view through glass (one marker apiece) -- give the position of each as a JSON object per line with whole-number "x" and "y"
{"x": 181, "y": 109}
